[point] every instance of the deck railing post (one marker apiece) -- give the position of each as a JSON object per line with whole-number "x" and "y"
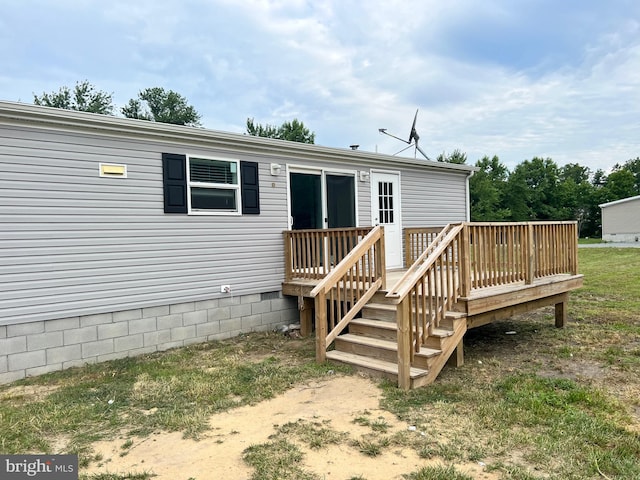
{"x": 321, "y": 327}
{"x": 574, "y": 249}
{"x": 325, "y": 263}
{"x": 465, "y": 262}
{"x": 381, "y": 260}
{"x": 403, "y": 320}
{"x": 288, "y": 273}
{"x": 531, "y": 255}
{"x": 407, "y": 248}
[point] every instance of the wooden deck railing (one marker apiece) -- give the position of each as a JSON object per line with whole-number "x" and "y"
{"x": 416, "y": 241}
{"x": 504, "y": 253}
{"x": 342, "y": 293}
{"x": 470, "y": 256}
{"x": 556, "y": 248}
{"x": 312, "y": 254}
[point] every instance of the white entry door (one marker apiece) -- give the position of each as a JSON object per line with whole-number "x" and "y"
{"x": 385, "y": 210}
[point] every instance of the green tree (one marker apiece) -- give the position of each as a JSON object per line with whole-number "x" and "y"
{"x": 84, "y": 98}
{"x": 632, "y": 166}
{"x": 456, "y": 156}
{"x": 592, "y": 226}
{"x": 532, "y": 191}
{"x": 577, "y": 197}
{"x": 159, "y": 105}
{"x": 575, "y": 172}
{"x": 487, "y": 191}
{"x": 620, "y": 184}
{"x": 293, "y": 131}
{"x": 516, "y": 196}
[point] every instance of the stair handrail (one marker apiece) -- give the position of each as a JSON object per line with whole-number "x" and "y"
{"x": 345, "y": 274}
{"x": 402, "y": 287}
{"x": 414, "y": 304}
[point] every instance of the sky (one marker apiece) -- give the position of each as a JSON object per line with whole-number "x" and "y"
{"x": 513, "y": 78}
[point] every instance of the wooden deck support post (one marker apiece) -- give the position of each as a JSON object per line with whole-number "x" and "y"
{"x": 561, "y": 314}
{"x": 306, "y": 316}
{"x": 457, "y": 358}
{"x": 321, "y": 327}
{"x": 403, "y": 320}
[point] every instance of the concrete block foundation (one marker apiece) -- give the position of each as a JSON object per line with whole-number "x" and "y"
{"x": 36, "y": 348}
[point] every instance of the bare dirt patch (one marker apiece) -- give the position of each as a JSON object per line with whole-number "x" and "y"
{"x": 31, "y": 392}
{"x": 336, "y": 401}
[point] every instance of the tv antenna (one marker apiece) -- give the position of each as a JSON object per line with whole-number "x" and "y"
{"x": 413, "y": 138}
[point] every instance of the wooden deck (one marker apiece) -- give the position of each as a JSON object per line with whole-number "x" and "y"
{"x": 407, "y": 324}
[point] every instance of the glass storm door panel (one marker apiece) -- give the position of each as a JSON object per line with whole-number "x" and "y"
{"x": 306, "y": 200}
{"x": 385, "y": 210}
{"x": 341, "y": 201}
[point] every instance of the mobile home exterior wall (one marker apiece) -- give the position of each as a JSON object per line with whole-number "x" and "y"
{"x": 91, "y": 266}
{"x": 621, "y": 220}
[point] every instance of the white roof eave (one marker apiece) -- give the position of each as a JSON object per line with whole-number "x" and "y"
{"x": 622, "y": 200}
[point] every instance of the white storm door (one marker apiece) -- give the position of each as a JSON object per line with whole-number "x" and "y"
{"x": 385, "y": 210}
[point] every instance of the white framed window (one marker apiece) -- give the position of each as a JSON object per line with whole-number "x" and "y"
{"x": 213, "y": 186}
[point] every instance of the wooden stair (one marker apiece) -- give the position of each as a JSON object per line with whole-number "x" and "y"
{"x": 371, "y": 344}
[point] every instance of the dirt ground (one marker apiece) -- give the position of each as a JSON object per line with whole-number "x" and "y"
{"x": 218, "y": 455}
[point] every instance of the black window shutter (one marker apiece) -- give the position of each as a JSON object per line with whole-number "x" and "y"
{"x": 174, "y": 182}
{"x": 250, "y": 188}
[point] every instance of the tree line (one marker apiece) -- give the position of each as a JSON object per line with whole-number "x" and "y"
{"x": 158, "y": 105}
{"x": 154, "y": 104}
{"x": 539, "y": 189}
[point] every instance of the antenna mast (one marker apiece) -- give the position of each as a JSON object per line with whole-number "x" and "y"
{"x": 413, "y": 137}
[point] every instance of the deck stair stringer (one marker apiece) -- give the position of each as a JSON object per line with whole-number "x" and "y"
{"x": 371, "y": 345}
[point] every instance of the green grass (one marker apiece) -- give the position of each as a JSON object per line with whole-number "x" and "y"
{"x": 611, "y": 286}
{"x": 281, "y": 458}
{"x": 316, "y": 435}
{"x": 371, "y": 444}
{"x": 278, "y": 459}
{"x": 589, "y": 241}
{"x": 437, "y": 473}
{"x": 377, "y": 425}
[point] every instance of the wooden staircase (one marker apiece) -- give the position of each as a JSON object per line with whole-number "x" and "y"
{"x": 371, "y": 344}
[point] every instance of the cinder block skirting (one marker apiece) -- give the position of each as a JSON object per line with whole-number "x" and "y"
{"x": 30, "y": 349}
{"x": 621, "y": 237}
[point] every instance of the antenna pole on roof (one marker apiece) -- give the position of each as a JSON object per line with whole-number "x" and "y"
{"x": 413, "y": 138}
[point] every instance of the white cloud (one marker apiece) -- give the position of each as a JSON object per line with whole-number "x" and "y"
{"x": 513, "y": 79}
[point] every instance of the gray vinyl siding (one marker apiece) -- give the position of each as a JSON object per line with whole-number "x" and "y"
{"x": 73, "y": 243}
{"x": 432, "y": 198}
{"x": 364, "y": 202}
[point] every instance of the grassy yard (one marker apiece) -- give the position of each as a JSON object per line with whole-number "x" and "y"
{"x": 590, "y": 240}
{"x": 543, "y": 403}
